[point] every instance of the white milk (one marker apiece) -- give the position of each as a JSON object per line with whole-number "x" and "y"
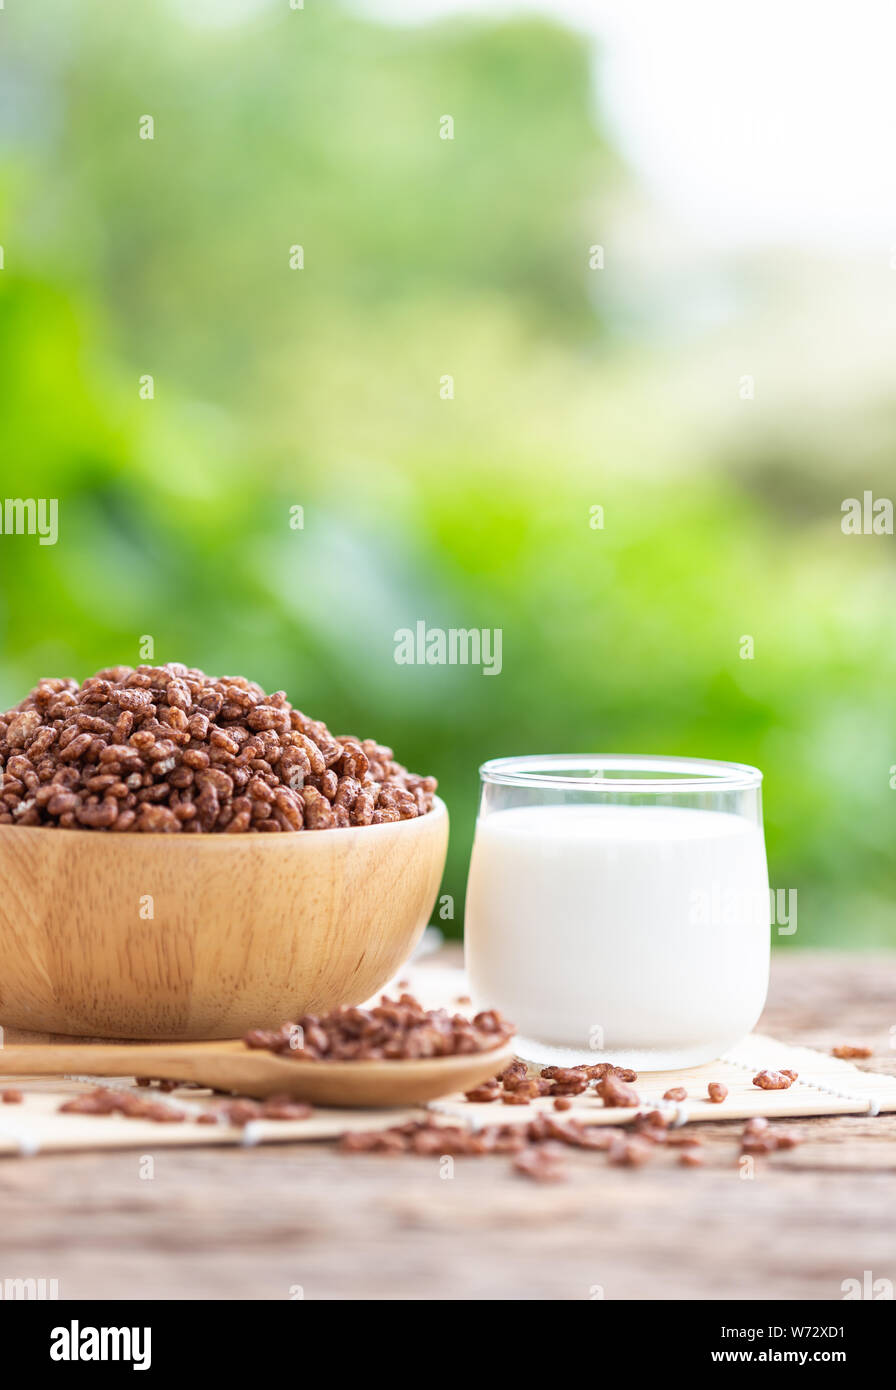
{"x": 637, "y": 932}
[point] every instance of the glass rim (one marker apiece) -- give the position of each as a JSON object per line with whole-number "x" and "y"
{"x": 547, "y": 769}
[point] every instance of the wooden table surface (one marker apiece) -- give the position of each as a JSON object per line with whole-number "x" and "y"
{"x": 263, "y": 1223}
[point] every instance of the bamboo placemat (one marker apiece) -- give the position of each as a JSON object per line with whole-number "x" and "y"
{"x": 826, "y": 1086}
{"x": 37, "y": 1126}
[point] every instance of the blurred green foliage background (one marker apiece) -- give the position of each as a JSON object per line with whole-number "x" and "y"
{"x": 320, "y": 387}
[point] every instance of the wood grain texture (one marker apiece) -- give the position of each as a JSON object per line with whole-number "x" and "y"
{"x": 255, "y": 1223}
{"x": 246, "y": 930}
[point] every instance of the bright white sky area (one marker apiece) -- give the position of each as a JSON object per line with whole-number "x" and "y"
{"x": 767, "y": 123}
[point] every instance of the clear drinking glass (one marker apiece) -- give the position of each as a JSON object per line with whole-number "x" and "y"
{"x": 618, "y": 907}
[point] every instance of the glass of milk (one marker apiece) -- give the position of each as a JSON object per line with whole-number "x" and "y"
{"x": 618, "y": 907}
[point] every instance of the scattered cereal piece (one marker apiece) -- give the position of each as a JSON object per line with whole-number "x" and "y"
{"x": 283, "y": 1107}
{"x": 241, "y": 1112}
{"x": 759, "y": 1137}
{"x": 614, "y": 1092}
{"x": 540, "y": 1164}
{"x": 717, "y": 1091}
{"x": 774, "y": 1080}
{"x": 630, "y": 1153}
{"x": 104, "y": 1100}
{"x": 482, "y": 1095}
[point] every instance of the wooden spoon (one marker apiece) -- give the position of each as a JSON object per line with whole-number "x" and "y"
{"x": 231, "y": 1066}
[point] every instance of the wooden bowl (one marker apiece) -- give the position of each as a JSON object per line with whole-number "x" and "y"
{"x": 207, "y": 936}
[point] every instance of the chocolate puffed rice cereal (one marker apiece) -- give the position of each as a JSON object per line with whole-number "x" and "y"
{"x": 167, "y": 749}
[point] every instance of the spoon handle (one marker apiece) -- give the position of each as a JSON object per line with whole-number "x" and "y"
{"x": 174, "y": 1061}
